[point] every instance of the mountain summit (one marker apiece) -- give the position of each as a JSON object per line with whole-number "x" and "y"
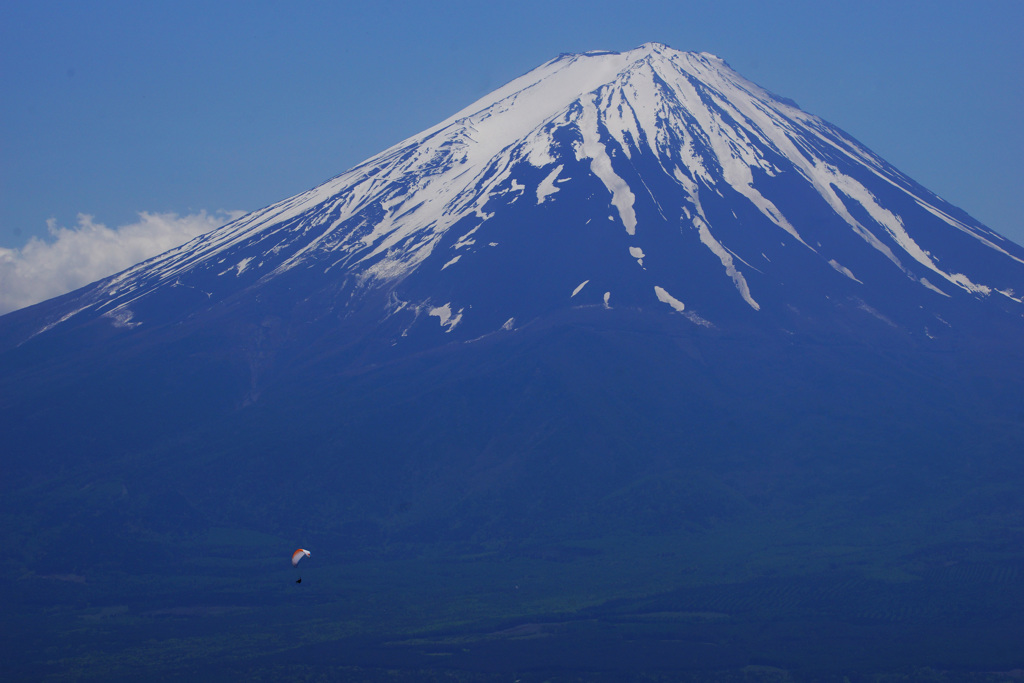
{"x": 651, "y": 179}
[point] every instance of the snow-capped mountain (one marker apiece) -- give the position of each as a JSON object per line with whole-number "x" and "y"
{"x": 651, "y": 180}
{"x": 630, "y": 311}
{"x": 630, "y": 334}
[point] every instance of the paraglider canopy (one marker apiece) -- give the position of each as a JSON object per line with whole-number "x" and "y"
{"x": 298, "y": 555}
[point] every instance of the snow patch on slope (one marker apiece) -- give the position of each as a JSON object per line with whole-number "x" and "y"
{"x": 844, "y": 270}
{"x": 708, "y": 240}
{"x": 667, "y": 298}
{"x": 601, "y": 164}
{"x": 893, "y": 224}
{"x": 547, "y": 186}
{"x": 445, "y": 315}
{"x": 726, "y": 258}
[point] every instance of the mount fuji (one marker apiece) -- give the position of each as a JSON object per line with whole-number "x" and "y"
{"x": 648, "y": 180}
{"x": 627, "y": 295}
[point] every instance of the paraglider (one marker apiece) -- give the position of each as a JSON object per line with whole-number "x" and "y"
{"x": 296, "y": 556}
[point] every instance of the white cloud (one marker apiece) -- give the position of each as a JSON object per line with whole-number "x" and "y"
{"x": 74, "y": 257}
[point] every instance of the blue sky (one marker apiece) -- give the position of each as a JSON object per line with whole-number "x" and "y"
{"x": 181, "y": 111}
